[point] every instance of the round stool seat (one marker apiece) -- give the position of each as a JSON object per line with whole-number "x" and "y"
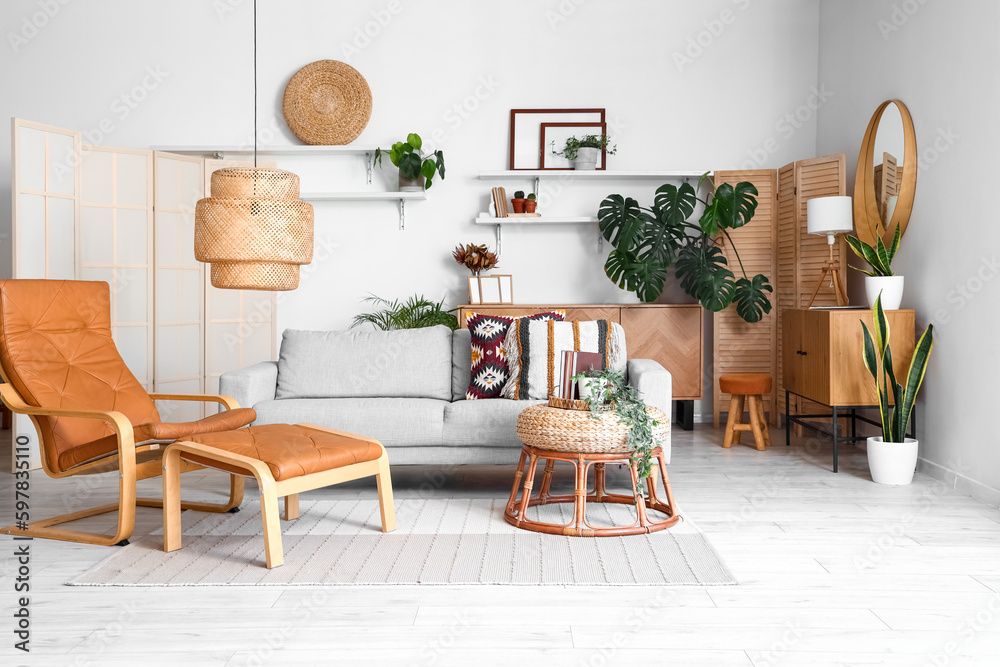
{"x": 749, "y": 384}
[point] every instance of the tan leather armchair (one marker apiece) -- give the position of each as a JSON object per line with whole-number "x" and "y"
{"x": 60, "y": 366}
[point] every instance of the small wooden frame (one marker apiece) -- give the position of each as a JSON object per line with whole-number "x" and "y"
{"x": 544, "y": 148}
{"x": 270, "y": 490}
{"x": 491, "y": 290}
{"x": 598, "y": 114}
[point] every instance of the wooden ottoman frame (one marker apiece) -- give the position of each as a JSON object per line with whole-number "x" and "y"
{"x": 270, "y": 490}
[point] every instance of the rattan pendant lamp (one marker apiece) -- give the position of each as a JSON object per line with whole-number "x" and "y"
{"x": 253, "y": 229}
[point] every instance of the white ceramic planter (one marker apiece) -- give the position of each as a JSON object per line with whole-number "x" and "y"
{"x": 586, "y": 158}
{"x": 892, "y": 463}
{"x": 412, "y": 184}
{"x": 891, "y": 288}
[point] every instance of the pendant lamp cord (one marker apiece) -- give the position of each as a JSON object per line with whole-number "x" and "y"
{"x": 254, "y": 84}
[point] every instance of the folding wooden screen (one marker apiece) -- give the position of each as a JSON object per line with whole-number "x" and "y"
{"x": 741, "y": 347}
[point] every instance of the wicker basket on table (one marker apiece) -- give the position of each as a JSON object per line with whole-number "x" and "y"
{"x": 551, "y": 428}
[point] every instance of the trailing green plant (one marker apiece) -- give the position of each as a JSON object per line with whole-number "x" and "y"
{"x": 879, "y": 257}
{"x": 412, "y": 162}
{"x": 414, "y": 313}
{"x": 618, "y": 396}
{"x": 518, "y": 194}
{"x": 573, "y": 145}
{"x": 878, "y": 360}
{"x": 646, "y": 242}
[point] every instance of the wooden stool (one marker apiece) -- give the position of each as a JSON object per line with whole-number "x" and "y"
{"x": 742, "y": 386}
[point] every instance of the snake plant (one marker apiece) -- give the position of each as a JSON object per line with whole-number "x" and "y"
{"x": 878, "y": 357}
{"x": 879, "y": 257}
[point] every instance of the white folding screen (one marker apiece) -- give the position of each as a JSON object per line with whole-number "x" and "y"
{"x": 240, "y": 324}
{"x": 116, "y": 246}
{"x": 45, "y": 194}
{"x": 179, "y": 294}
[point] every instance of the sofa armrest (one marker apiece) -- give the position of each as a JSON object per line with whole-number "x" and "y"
{"x": 251, "y": 385}
{"x": 655, "y": 384}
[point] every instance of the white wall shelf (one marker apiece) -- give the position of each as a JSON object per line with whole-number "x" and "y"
{"x": 588, "y": 175}
{"x": 500, "y": 223}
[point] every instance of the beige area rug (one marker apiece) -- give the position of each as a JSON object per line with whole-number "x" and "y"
{"x": 459, "y": 541}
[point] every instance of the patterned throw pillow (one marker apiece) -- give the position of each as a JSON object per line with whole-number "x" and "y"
{"x": 489, "y": 365}
{"x": 534, "y": 353}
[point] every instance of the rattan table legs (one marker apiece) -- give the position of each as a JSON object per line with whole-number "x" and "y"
{"x": 521, "y": 497}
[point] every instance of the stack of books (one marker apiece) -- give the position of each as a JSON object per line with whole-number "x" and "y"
{"x": 574, "y": 363}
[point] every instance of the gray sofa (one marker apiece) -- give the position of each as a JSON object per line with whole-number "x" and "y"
{"x": 405, "y": 388}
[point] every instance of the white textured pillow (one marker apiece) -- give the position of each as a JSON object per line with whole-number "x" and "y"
{"x": 534, "y": 353}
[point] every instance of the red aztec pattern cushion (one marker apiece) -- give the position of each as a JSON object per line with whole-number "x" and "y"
{"x": 489, "y": 365}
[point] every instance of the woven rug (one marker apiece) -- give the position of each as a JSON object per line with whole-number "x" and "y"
{"x": 339, "y": 542}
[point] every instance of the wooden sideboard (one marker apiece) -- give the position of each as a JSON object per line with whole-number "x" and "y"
{"x": 668, "y": 333}
{"x": 822, "y": 353}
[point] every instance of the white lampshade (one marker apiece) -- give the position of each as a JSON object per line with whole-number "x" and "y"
{"x": 830, "y": 216}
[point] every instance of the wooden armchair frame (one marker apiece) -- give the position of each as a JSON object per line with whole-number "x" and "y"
{"x": 124, "y": 461}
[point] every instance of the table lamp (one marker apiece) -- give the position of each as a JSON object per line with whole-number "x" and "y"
{"x": 829, "y": 216}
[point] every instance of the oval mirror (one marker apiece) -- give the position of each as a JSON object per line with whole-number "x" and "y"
{"x": 887, "y": 174}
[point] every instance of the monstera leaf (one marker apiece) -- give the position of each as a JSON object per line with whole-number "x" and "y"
{"x": 622, "y": 222}
{"x": 645, "y": 278}
{"x": 705, "y": 275}
{"x": 735, "y": 206}
{"x": 676, "y": 204}
{"x": 751, "y": 298}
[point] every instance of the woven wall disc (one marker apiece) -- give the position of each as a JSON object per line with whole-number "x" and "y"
{"x": 327, "y": 103}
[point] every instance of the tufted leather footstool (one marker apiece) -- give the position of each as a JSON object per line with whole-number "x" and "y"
{"x": 285, "y": 459}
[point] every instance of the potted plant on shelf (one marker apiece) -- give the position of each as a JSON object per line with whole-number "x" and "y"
{"x": 583, "y": 153}
{"x": 416, "y": 169}
{"x": 518, "y": 201}
{"x": 476, "y": 258}
{"x": 531, "y": 203}
{"x": 892, "y": 457}
{"x": 880, "y": 280}
{"x": 646, "y": 242}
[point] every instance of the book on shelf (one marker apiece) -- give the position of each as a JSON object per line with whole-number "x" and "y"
{"x": 573, "y": 363}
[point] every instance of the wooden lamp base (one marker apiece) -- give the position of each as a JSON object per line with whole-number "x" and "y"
{"x": 832, "y": 267}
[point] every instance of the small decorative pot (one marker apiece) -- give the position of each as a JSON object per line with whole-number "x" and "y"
{"x": 891, "y": 288}
{"x": 586, "y": 158}
{"x": 530, "y": 205}
{"x": 412, "y": 184}
{"x": 892, "y": 463}
{"x": 518, "y": 205}
{"x": 592, "y": 389}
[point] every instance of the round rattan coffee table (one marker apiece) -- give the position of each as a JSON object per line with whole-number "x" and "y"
{"x": 552, "y": 434}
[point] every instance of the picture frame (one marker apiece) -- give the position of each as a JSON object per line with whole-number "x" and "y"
{"x": 475, "y": 296}
{"x": 491, "y": 290}
{"x": 524, "y": 144}
{"x": 559, "y": 132}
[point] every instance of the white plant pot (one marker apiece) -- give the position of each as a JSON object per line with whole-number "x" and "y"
{"x": 586, "y": 158}
{"x": 891, "y": 288}
{"x": 892, "y": 463}
{"x": 592, "y": 389}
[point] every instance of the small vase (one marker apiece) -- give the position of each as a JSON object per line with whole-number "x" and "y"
{"x": 892, "y": 463}
{"x": 518, "y": 205}
{"x": 891, "y": 288}
{"x": 412, "y": 184}
{"x": 530, "y": 206}
{"x": 586, "y": 158}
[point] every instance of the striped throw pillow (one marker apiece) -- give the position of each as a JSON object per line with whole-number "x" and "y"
{"x": 534, "y": 353}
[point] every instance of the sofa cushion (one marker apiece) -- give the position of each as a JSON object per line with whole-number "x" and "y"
{"x": 391, "y": 421}
{"x": 411, "y": 363}
{"x": 491, "y": 421}
{"x": 489, "y": 369}
{"x": 461, "y": 363}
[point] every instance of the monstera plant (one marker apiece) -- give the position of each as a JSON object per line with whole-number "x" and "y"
{"x": 648, "y": 241}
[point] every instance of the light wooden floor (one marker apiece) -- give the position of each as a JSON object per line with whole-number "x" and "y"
{"x": 835, "y": 570}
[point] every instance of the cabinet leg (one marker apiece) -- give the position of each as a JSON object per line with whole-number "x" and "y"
{"x": 788, "y": 423}
{"x": 685, "y": 415}
{"x": 836, "y": 437}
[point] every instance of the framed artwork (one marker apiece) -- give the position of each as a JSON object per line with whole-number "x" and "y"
{"x": 559, "y": 133}
{"x": 525, "y": 132}
{"x": 491, "y": 290}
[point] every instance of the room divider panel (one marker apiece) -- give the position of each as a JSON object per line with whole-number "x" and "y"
{"x": 126, "y": 216}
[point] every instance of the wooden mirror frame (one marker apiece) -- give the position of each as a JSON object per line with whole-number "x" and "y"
{"x": 868, "y": 223}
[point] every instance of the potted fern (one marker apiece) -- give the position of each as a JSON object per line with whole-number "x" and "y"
{"x": 416, "y": 312}
{"x": 880, "y": 280}
{"x": 892, "y": 457}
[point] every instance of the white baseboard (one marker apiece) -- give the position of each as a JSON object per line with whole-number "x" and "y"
{"x": 960, "y": 482}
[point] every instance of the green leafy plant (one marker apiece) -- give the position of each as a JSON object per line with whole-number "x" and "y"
{"x": 646, "y": 242}
{"x": 878, "y": 361}
{"x": 414, "y": 313}
{"x": 879, "y": 257}
{"x": 573, "y": 145}
{"x": 412, "y": 162}
{"x": 625, "y": 401}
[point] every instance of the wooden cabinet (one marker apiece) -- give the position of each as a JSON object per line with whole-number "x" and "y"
{"x": 667, "y": 333}
{"x": 822, "y": 353}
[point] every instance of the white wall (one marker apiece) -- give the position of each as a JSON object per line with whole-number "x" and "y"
{"x": 723, "y": 107}
{"x": 941, "y": 60}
